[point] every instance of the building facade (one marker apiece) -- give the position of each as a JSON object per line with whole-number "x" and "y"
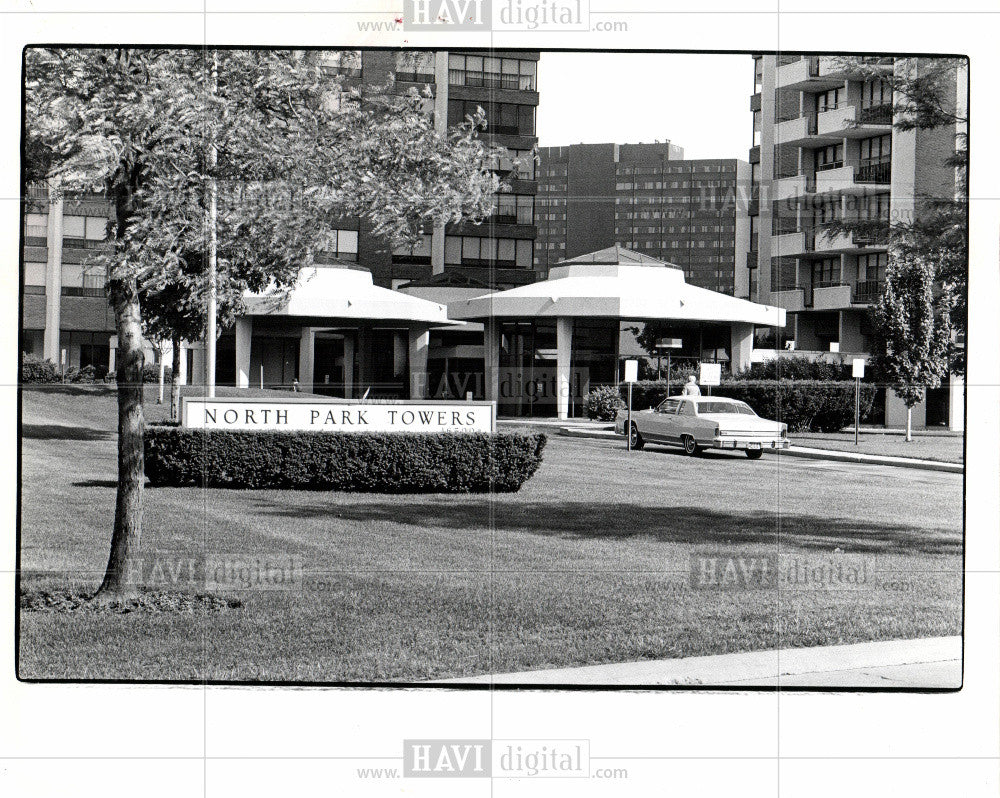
{"x": 646, "y": 198}
{"x": 66, "y": 315}
{"x": 825, "y": 149}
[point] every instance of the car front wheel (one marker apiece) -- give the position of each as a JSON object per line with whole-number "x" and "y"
{"x": 635, "y": 439}
{"x": 755, "y": 454}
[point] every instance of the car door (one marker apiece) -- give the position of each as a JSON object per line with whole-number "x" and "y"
{"x": 662, "y": 422}
{"x": 687, "y": 420}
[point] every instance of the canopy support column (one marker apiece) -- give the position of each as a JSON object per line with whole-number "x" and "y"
{"x": 740, "y": 346}
{"x": 349, "y": 350}
{"x": 307, "y": 359}
{"x": 491, "y": 359}
{"x": 420, "y": 341}
{"x": 244, "y": 333}
{"x": 564, "y": 348}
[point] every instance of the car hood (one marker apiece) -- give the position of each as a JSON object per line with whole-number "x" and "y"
{"x": 741, "y": 421}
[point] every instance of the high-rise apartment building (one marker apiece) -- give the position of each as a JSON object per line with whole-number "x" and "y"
{"x": 646, "y": 198}
{"x": 66, "y": 314}
{"x": 825, "y": 148}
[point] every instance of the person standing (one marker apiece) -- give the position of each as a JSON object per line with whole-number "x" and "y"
{"x": 691, "y": 387}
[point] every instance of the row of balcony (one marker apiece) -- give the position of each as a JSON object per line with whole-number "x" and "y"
{"x": 828, "y": 296}
{"x": 834, "y": 125}
{"x": 804, "y": 242}
{"x": 867, "y": 177}
{"x": 821, "y": 72}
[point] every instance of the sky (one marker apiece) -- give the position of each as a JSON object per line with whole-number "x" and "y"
{"x": 699, "y": 102}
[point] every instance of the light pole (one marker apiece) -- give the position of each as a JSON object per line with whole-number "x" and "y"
{"x": 213, "y": 213}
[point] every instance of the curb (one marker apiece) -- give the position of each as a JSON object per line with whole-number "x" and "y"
{"x": 934, "y": 662}
{"x": 808, "y": 453}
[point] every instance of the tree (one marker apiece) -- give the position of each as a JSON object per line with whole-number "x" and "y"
{"x": 292, "y": 156}
{"x": 912, "y": 331}
{"x": 925, "y": 97}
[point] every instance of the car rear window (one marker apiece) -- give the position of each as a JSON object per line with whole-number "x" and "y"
{"x": 725, "y": 407}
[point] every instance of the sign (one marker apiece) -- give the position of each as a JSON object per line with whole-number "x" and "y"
{"x": 858, "y": 368}
{"x": 834, "y": 346}
{"x": 631, "y": 371}
{"x": 337, "y": 415}
{"x": 710, "y": 373}
{"x": 668, "y": 343}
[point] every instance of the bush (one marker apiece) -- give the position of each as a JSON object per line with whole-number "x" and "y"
{"x": 34, "y": 369}
{"x": 151, "y": 374}
{"x": 409, "y": 462}
{"x": 87, "y": 374}
{"x": 796, "y": 368}
{"x": 603, "y": 403}
{"x": 804, "y": 405}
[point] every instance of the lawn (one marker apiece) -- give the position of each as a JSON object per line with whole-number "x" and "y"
{"x": 588, "y": 563}
{"x": 943, "y": 447}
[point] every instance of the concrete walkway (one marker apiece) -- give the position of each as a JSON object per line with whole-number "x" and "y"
{"x": 934, "y": 662}
{"x": 603, "y": 431}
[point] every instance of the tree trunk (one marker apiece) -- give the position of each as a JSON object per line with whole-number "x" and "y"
{"x": 175, "y": 385}
{"x": 909, "y": 424}
{"x": 120, "y": 579}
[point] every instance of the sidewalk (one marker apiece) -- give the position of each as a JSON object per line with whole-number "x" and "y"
{"x": 604, "y": 431}
{"x": 934, "y": 662}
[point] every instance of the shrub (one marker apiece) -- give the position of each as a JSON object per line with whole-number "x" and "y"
{"x": 804, "y": 405}
{"x": 410, "y": 462}
{"x": 87, "y": 374}
{"x": 151, "y": 373}
{"x": 34, "y": 369}
{"x": 796, "y": 368}
{"x": 603, "y": 403}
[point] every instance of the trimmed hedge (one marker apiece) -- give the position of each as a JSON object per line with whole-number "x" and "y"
{"x": 409, "y": 462}
{"x": 35, "y": 369}
{"x": 804, "y": 405}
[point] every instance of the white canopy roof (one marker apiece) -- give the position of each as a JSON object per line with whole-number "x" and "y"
{"x": 616, "y": 283}
{"x": 343, "y": 293}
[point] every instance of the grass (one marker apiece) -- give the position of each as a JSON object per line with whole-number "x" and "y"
{"x": 588, "y": 563}
{"x": 940, "y": 447}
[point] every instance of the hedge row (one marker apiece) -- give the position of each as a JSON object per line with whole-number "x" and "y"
{"x": 804, "y": 405}
{"x": 36, "y": 370}
{"x": 410, "y": 462}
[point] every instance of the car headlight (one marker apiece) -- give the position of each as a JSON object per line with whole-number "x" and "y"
{"x": 718, "y": 432}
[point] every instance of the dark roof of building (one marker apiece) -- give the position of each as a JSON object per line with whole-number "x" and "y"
{"x": 449, "y": 279}
{"x": 617, "y": 254}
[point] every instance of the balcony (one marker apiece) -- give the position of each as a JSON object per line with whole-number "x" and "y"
{"x": 867, "y": 291}
{"x": 795, "y": 131}
{"x": 831, "y": 296}
{"x": 875, "y": 173}
{"x": 841, "y": 242}
{"x": 832, "y": 67}
{"x": 790, "y": 187}
{"x": 791, "y": 299}
{"x": 834, "y": 179}
{"x": 789, "y": 244}
{"x": 836, "y": 123}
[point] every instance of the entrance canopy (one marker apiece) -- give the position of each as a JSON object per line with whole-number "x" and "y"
{"x": 616, "y": 283}
{"x": 346, "y": 293}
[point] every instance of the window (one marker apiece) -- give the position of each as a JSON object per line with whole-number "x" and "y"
{"x": 341, "y": 62}
{"x": 36, "y": 225}
{"x": 831, "y": 157}
{"x": 502, "y": 118}
{"x": 340, "y": 244}
{"x": 496, "y": 73}
{"x": 876, "y": 92}
{"x": 668, "y": 406}
{"x": 78, "y": 280}
{"x": 828, "y": 100}
{"x": 415, "y": 65}
{"x": 34, "y": 276}
{"x": 419, "y": 252}
{"x": 74, "y": 226}
{"x": 826, "y": 273}
{"x": 504, "y": 253}
{"x": 877, "y": 149}
{"x": 872, "y": 267}
{"x": 96, "y": 228}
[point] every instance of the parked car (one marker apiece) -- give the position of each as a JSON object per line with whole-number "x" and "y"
{"x": 704, "y": 422}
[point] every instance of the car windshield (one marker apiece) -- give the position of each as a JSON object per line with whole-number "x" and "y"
{"x": 725, "y": 407}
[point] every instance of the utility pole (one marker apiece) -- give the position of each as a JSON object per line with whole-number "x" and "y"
{"x": 213, "y": 215}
